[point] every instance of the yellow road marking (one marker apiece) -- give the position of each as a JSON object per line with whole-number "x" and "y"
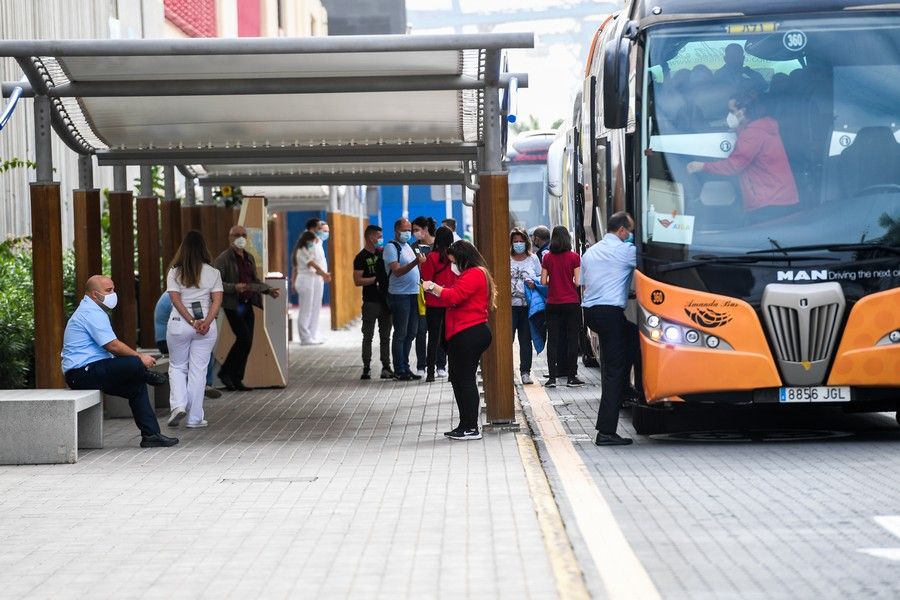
{"x": 624, "y": 577}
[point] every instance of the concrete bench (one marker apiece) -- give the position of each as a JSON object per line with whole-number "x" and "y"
{"x": 116, "y": 407}
{"x": 48, "y": 426}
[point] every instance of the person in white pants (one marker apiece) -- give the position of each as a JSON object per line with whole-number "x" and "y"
{"x": 311, "y": 275}
{"x": 195, "y": 287}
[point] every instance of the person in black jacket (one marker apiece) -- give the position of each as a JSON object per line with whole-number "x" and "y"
{"x": 369, "y": 274}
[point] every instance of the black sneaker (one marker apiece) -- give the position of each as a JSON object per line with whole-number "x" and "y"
{"x": 574, "y": 382}
{"x": 226, "y": 380}
{"x": 366, "y": 374}
{"x": 465, "y": 434}
{"x": 414, "y": 377}
{"x": 155, "y": 378}
{"x": 157, "y": 440}
{"x": 429, "y": 379}
{"x": 551, "y": 382}
{"x": 611, "y": 439}
{"x": 404, "y": 377}
{"x": 452, "y": 432}
{"x": 386, "y": 373}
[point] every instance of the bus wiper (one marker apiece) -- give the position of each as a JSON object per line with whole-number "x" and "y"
{"x": 712, "y": 259}
{"x": 827, "y": 247}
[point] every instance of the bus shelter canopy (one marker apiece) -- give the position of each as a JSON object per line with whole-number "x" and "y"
{"x": 354, "y": 109}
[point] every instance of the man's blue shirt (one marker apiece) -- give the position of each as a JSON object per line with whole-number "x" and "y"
{"x": 405, "y": 284}
{"x": 606, "y": 270}
{"x": 87, "y": 332}
{"x": 161, "y": 316}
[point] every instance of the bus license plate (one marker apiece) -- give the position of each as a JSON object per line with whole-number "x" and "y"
{"x": 814, "y": 394}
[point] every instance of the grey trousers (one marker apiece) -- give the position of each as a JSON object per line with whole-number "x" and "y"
{"x": 376, "y": 312}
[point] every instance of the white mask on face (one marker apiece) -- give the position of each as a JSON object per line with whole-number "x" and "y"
{"x": 732, "y": 120}
{"x": 455, "y": 268}
{"x": 110, "y": 301}
{"x": 240, "y": 243}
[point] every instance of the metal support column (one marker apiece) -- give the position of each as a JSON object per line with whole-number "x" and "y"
{"x": 86, "y": 215}
{"x": 46, "y": 248}
{"x": 492, "y": 219}
{"x": 121, "y": 249}
{"x": 149, "y": 281}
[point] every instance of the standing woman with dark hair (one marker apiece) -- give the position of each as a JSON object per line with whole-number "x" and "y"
{"x": 195, "y": 287}
{"x": 524, "y": 269}
{"x": 423, "y": 230}
{"x": 561, "y": 272}
{"x": 437, "y": 268}
{"x": 468, "y": 302}
{"x": 307, "y": 273}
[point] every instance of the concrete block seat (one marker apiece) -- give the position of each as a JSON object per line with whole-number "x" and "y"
{"x": 116, "y": 407}
{"x": 48, "y": 426}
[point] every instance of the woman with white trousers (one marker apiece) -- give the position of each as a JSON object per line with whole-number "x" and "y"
{"x": 310, "y": 276}
{"x": 195, "y": 287}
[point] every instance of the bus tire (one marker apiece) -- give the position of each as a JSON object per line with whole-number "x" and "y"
{"x": 649, "y": 421}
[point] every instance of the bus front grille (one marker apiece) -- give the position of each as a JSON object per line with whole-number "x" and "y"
{"x": 802, "y": 323}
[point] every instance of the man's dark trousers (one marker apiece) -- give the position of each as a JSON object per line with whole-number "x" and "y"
{"x": 241, "y": 321}
{"x": 121, "y": 376}
{"x": 620, "y": 344}
{"x": 372, "y": 313}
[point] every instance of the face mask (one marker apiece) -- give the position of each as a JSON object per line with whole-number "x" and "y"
{"x": 379, "y": 243}
{"x": 630, "y": 238}
{"x": 240, "y": 243}
{"x": 404, "y": 236}
{"x": 732, "y": 120}
{"x": 322, "y": 235}
{"x": 455, "y": 268}
{"x": 110, "y": 301}
{"x": 518, "y": 247}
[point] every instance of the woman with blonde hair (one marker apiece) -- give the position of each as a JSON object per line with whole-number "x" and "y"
{"x": 195, "y": 287}
{"x": 468, "y": 303}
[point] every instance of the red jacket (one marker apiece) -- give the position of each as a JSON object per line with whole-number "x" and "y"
{"x": 440, "y": 273}
{"x": 467, "y": 301}
{"x": 762, "y": 165}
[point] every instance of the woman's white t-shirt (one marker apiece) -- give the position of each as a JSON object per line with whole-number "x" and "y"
{"x": 210, "y": 281}
{"x": 520, "y": 271}
{"x": 304, "y": 256}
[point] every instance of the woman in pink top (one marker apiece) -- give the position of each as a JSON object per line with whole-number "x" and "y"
{"x": 561, "y": 273}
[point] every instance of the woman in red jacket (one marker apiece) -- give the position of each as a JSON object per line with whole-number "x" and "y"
{"x": 468, "y": 335}
{"x": 759, "y": 160}
{"x": 437, "y": 268}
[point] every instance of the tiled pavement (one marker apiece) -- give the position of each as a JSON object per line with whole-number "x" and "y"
{"x": 748, "y": 519}
{"x": 331, "y": 488}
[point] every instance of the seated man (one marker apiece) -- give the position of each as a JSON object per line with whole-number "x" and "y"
{"x": 94, "y": 359}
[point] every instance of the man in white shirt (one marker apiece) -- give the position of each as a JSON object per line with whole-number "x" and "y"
{"x": 606, "y": 271}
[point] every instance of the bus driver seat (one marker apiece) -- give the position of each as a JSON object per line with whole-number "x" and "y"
{"x": 872, "y": 159}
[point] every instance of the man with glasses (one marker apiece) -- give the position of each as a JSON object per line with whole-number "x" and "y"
{"x": 243, "y": 291}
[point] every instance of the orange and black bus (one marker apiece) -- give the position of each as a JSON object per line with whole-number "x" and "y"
{"x": 757, "y": 145}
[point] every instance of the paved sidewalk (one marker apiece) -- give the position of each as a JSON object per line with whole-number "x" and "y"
{"x": 331, "y": 488}
{"x": 747, "y": 519}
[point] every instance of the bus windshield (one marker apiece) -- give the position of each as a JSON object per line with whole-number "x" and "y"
{"x": 767, "y": 134}
{"x": 528, "y": 194}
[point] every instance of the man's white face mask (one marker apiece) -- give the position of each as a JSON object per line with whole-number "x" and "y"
{"x": 240, "y": 243}
{"x": 455, "y": 268}
{"x": 110, "y": 300}
{"x": 732, "y": 120}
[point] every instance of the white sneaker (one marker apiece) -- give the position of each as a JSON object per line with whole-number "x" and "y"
{"x": 311, "y": 343}
{"x": 526, "y": 379}
{"x": 200, "y": 425}
{"x": 441, "y": 373}
{"x": 420, "y": 372}
{"x": 176, "y": 417}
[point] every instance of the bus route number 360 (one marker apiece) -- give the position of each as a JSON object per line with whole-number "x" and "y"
{"x": 814, "y": 394}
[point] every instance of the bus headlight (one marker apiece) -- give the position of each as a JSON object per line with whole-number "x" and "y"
{"x": 712, "y": 341}
{"x": 652, "y": 321}
{"x": 676, "y": 334}
{"x": 894, "y": 336}
{"x": 672, "y": 334}
{"x": 691, "y": 336}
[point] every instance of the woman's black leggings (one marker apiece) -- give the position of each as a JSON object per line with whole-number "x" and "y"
{"x": 464, "y": 350}
{"x": 434, "y": 316}
{"x": 563, "y": 322}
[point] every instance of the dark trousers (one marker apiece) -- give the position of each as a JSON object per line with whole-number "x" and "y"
{"x": 437, "y": 356}
{"x": 241, "y": 322}
{"x": 522, "y": 330}
{"x": 372, "y": 313}
{"x": 121, "y": 376}
{"x": 464, "y": 350}
{"x": 563, "y": 323}
{"x": 421, "y": 342}
{"x": 405, "y": 315}
{"x": 621, "y": 351}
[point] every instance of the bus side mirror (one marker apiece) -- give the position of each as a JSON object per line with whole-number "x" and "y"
{"x": 616, "y": 93}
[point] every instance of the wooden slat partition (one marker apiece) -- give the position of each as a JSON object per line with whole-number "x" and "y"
{"x": 47, "y": 279}
{"x": 148, "y": 267}
{"x": 170, "y": 220}
{"x": 344, "y": 243}
{"x": 88, "y": 256}
{"x": 121, "y": 246}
